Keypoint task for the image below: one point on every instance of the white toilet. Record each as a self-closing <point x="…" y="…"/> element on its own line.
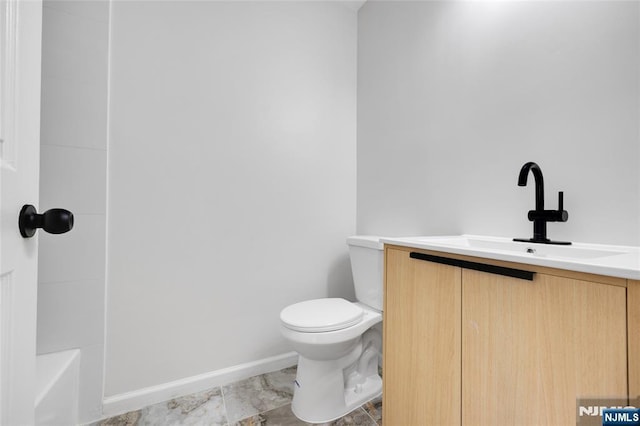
<point x="339" y="342"/>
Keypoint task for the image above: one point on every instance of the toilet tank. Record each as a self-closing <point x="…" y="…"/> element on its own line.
<point x="367" y="263"/>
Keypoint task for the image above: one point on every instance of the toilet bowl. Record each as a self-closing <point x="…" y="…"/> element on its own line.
<point x="339" y="342"/>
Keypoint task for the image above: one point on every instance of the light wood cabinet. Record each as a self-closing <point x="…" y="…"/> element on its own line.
<point x="633" y="333"/>
<point x="422" y="315"/>
<point x="464" y="347"/>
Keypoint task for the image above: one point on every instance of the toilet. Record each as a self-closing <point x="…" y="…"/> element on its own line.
<point x="339" y="342"/>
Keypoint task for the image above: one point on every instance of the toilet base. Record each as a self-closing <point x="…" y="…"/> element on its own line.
<point x="327" y="390"/>
<point x="330" y="401"/>
<point x="341" y="413"/>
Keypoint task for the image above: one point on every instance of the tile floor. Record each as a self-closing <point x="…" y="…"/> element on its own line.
<point x="261" y="400"/>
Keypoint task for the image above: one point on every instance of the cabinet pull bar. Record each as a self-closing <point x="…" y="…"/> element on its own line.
<point x="492" y="269"/>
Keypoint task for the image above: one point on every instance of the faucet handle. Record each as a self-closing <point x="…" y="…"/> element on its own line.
<point x="561" y="200"/>
<point x="563" y="214"/>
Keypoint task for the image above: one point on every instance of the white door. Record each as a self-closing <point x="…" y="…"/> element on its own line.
<point x="20" y="51"/>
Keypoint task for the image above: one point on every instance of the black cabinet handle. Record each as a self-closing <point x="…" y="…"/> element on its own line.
<point x="53" y="221"/>
<point x="483" y="267"/>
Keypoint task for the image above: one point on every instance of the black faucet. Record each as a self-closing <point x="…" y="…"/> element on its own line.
<point x="540" y="216"/>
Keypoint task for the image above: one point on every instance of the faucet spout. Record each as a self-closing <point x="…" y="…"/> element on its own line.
<point x="537" y="175"/>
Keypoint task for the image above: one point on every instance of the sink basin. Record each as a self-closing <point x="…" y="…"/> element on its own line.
<point x="616" y="261"/>
<point x="578" y="251"/>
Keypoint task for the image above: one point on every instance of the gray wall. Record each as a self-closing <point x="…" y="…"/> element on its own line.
<point x="454" y="97"/>
<point x="73" y="175"/>
<point x="232" y="180"/>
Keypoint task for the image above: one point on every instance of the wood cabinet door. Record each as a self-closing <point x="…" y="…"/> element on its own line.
<point x="530" y="348"/>
<point x="633" y="338"/>
<point x="421" y="342"/>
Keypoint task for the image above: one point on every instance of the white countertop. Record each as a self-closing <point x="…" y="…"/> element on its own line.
<point x="615" y="261"/>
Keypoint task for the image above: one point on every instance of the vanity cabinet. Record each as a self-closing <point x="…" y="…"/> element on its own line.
<point x="467" y="347"/>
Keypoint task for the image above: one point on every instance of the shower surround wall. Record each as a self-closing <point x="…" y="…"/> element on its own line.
<point x="454" y="97"/>
<point x="73" y="161"/>
<point x="232" y="181"/>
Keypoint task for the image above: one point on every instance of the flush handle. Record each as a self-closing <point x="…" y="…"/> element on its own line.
<point x="53" y="221"/>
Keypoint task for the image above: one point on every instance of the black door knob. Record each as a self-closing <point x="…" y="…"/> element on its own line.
<point x="53" y="221"/>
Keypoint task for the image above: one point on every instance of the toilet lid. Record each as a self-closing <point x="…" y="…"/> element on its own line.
<point x="320" y="315"/>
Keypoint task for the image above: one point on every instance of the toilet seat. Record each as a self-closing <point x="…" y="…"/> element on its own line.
<point x="321" y="315"/>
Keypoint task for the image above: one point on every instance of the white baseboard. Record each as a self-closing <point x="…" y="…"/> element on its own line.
<point x="58" y="377"/>
<point x="135" y="400"/>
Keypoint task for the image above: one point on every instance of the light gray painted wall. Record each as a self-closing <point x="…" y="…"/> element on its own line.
<point x="454" y="97"/>
<point x="73" y="175"/>
<point x="232" y="181"/>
